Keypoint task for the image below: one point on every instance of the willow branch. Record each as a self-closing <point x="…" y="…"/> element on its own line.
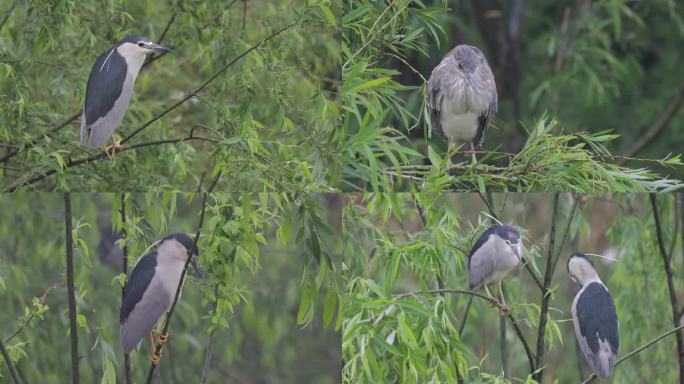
<point x="208" y="354"/>
<point x="509" y="315"/>
<point x="73" y="327"/>
<point x="167" y="320"/>
<point x="638" y="350"/>
<point x="670" y="285"/>
<point x="100" y="156"/>
<point x="124" y="269"/>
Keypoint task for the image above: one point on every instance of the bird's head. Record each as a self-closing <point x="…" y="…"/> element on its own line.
<point x="467" y="58"/>
<point x="580" y="268"/>
<point x="139" y="46"/>
<point x="511" y="237"/>
<point x="179" y="246"/>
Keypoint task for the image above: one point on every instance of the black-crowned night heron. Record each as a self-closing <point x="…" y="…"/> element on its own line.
<point x="497" y="252"/>
<point x="150" y="291"/>
<point x="594" y="317"/>
<point x="462" y="97"/>
<point x="109" y="89"/>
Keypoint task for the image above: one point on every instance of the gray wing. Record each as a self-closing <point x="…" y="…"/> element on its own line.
<point x="486" y="79"/>
<point x="105" y="84"/>
<point x="436" y="84"/>
<point x="480" y="265"/>
<point x="144" y="316"/>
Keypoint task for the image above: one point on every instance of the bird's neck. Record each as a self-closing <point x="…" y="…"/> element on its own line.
<point x="134" y="59"/>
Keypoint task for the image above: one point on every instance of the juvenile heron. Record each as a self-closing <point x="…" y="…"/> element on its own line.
<point x="497" y="252"/>
<point x="594" y="317"/>
<point x="109" y="89"/>
<point x="462" y="97"/>
<point x="150" y="290"/>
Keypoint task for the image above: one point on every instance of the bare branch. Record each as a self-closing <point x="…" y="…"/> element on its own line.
<point x="552" y="259"/>
<point x="73" y="327"/>
<point x="670" y="285"/>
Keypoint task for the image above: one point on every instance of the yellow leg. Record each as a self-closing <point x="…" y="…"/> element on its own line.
<point x="492" y="300"/>
<point x="504" y="309"/>
<point x="155" y="354"/>
<point x="472" y="151"/>
<point x="116" y="146"/>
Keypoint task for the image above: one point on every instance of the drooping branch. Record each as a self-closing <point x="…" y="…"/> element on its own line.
<point x="593" y="376"/>
<point x="509" y="315"/>
<point x="167" y="320"/>
<point x="124" y="270"/>
<point x="73" y="327"/>
<point x="670" y="285"/>
<point x="553" y="255"/>
<point x="210" y="342"/>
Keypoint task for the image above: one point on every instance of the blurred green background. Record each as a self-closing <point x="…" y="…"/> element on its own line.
<point x="267" y="300"/>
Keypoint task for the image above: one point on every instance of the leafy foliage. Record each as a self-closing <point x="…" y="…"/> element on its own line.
<point x="399" y="327"/>
<point x="256" y="278"/>
<point x="588" y="75"/>
<point x="267" y="121"/>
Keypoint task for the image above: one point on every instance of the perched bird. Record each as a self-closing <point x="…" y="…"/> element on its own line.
<point x="150" y="291"/>
<point x="109" y="89"/>
<point x="497" y="252"/>
<point x="594" y="317"/>
<point x="462" y="96"/>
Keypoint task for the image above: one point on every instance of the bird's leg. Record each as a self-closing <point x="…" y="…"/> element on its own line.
<point x="472" y="152"/>
<point x="504" y="309"/>
<point x="155" y="354"/>
<point x="116" y="146"/>
<point x="491" y="298"/>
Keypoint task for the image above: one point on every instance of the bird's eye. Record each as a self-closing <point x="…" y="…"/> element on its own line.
<point x="141" y="45"/>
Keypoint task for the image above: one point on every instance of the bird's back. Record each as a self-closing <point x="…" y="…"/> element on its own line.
<point x="137" y="283"/>
<point x="596" y="327"/>
<point x="105" y="86"/>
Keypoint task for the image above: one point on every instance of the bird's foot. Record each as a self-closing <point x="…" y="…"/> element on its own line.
<point x="160" y="336"/>
<point x="505" y="311"/>
<point x="155" y="357"/>
<point x="114" y="148"/>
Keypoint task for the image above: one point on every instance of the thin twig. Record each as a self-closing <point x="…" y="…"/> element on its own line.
<point x="670" y="285"/>
<point x="8" y="14"/>
<point x="167" y="320"/>
<point x="10" y="364"/>
<point x="101" y="156"/>
<point x="658" y="127"/>
<point x="207" y="355"/>
<point x="73" y="327"/>
<point x="638" y="350"/>
<point x="27" y="320"/>
<point x="124" y="269"/>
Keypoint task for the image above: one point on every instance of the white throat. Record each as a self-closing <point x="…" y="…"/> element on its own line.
<point x="134" y="56"/>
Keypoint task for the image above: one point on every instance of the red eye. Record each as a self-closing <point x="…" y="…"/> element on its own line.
<point x="141" y="45"/>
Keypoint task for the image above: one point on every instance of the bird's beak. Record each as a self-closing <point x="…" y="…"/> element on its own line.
<point x="472" y="81"/>
<point x="158" y="48"/>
